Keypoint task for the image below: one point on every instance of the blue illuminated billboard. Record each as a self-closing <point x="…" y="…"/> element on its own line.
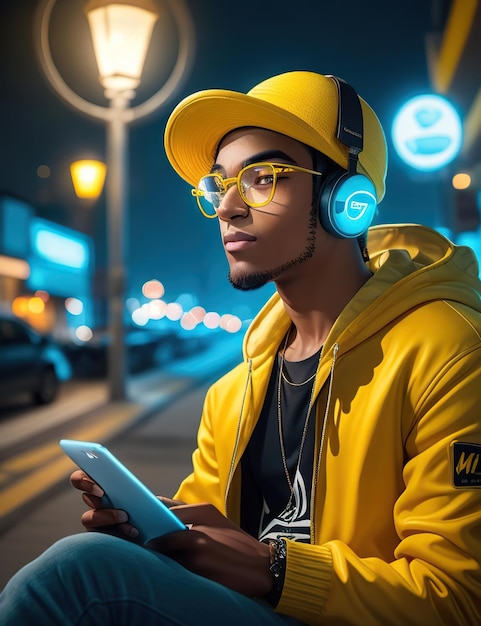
<point x="60" y="259"/>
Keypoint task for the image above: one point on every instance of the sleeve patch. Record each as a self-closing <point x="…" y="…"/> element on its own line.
<point x="466" y="464"/>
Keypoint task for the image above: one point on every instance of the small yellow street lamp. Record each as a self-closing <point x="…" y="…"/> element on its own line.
<point x="88" y="178"/>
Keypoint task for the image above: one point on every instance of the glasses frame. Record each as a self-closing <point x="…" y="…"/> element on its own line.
<point x="277" y="168"/>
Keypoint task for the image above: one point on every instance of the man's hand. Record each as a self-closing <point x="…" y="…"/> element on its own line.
<point x="217" y="549"/>
<point x="214" y="547"/>
<point x="99" y="517"/>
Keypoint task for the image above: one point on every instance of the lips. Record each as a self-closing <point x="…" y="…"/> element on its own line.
<point x="238" y="241"/>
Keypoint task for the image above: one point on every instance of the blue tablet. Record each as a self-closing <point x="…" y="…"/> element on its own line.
<point x="123" y="490"/>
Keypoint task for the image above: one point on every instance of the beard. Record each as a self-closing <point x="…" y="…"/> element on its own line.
<point x="249" y="281"/>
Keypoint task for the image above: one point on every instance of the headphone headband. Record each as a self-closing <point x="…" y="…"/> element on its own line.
<point x="350" y="127"/>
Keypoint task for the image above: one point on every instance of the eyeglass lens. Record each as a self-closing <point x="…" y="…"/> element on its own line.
<point x="255" y="184"/>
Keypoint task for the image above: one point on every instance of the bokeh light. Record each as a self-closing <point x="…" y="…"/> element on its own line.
<point x="230" y="323"/>
<point x="20" y="306"/>
<point x="212" y="320"/>
<point x="36" y="305"/>
<point x="198" y="312"/>
<point x="153" y="289"/>
<point x="174" y="311"/>
<point x="43" y="171"/>
<point x="74" y="306"/>
<point x="188" y="321"/>
<point x="157" y="309"/>
<point x="84" y="333"/>
<point x="140" y="316"/>
<point x="462" y="180"/>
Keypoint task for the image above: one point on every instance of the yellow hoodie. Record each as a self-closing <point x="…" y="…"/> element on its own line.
<point x="396" y="495"/>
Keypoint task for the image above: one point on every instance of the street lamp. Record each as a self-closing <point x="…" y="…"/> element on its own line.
<point x="121" y="35"/>
<point x="121" y="31"/>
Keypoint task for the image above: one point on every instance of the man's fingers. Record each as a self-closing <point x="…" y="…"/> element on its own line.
<point x="113" y="521"/>
<point x="97" y="518"/>
<point x="94" y="502"/>
<point x="169" y="502"/>
<point x="81" y="481"/>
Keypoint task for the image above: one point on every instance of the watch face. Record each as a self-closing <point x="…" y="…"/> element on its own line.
<point x="278" y="555"/>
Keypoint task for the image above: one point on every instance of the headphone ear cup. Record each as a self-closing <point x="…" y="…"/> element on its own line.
<point x="347" y="204"/>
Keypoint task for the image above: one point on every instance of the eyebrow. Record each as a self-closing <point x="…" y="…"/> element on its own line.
<point x="260" y="157"/>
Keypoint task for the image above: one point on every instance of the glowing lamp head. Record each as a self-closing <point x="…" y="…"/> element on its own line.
<point x="88" y="178"/>
<point x="121" y="33"/>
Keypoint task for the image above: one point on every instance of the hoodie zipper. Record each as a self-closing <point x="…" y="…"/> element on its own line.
<point x="335" y="350"/>
<point x="237" y="437"/>
<point x="321" y="444"/>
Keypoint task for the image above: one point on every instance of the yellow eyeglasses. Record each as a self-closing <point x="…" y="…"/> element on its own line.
<point x="256" y="185"/>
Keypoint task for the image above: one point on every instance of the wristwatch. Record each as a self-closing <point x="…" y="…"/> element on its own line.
<point x="277" y="557"/>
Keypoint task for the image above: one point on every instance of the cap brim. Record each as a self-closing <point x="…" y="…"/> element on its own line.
<point x="200" y="121"/>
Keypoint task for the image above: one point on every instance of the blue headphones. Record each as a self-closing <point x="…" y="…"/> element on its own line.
<point x="347" y="200"/>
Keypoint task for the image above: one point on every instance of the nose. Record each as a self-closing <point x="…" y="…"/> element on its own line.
<point x="232" y="205"/>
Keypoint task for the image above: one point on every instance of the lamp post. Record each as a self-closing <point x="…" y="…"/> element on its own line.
<point x="121" y="35"/>
<point x="121" y="31"/>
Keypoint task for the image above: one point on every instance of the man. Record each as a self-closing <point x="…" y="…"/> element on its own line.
<point x="340" y="459"/>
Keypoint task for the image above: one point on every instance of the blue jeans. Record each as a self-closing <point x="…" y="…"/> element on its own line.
<point x="97" y="579"/>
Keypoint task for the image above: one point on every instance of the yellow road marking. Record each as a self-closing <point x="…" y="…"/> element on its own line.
<point x="23" y="490"/>
<point x="24" y="462"/>
<point x="49" y="464"/>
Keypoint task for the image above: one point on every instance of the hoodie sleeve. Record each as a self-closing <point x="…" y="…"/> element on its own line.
<point x="433" y="573"/>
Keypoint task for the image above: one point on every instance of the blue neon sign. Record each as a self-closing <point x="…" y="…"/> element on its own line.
<point x="427" y="132"/>
<point x="59" y="246"/>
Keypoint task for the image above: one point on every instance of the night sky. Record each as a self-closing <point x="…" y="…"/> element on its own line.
<point x="377" y="46"/>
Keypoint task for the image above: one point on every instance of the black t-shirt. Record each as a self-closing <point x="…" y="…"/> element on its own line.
<point x="265" y="489"/>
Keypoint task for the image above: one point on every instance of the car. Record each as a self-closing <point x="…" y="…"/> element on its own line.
<point x="31" y="363"/>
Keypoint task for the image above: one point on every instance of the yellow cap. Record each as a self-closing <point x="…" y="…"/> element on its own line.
<point x="302" y="105"/>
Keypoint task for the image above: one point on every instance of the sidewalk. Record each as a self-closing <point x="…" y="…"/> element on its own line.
<point x="156" y="439"/>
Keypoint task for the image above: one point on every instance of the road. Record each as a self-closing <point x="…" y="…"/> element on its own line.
<point x="20" y="422"/>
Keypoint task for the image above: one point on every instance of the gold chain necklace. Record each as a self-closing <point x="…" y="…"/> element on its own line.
<point x="290" y="509"/>
<point x="293" y="384"/>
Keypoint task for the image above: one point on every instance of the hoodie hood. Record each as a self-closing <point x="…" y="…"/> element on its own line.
<point x="411" y="264"/>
